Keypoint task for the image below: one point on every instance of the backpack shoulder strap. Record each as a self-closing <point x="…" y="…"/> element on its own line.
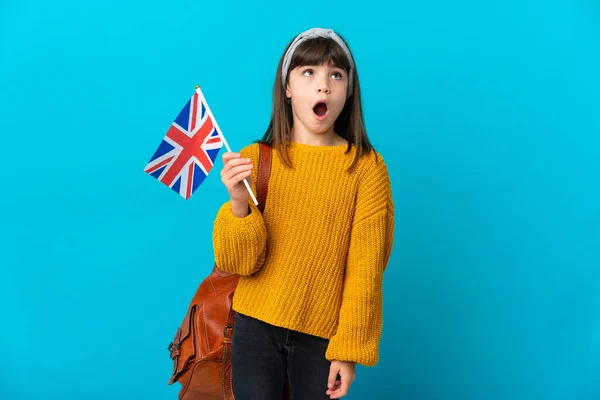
<point x="264" y="173"/>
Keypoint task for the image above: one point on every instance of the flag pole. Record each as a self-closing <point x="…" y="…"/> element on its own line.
<point x="223" y="137"/>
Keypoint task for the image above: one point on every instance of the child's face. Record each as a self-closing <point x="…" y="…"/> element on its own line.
<point x="318" y="94"/>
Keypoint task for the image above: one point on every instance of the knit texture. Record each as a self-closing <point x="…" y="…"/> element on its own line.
<point x="314" y="261"/>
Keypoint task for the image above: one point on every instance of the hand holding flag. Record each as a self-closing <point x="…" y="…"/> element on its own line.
<point x="189" y="149"/>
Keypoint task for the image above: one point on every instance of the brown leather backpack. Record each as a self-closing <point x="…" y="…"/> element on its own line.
<point x="201" y="349"/>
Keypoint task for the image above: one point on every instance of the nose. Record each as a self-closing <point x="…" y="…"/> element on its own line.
<point x="323" y="85"/>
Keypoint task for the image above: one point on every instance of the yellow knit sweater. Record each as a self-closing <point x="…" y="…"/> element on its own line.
<point x="314" y="262"/>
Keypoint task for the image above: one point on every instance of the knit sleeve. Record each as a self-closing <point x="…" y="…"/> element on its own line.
<point x="240" y="244"/>
<point x="360" y="319"/>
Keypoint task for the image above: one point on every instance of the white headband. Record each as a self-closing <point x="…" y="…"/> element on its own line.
<point x="311" y="34"/>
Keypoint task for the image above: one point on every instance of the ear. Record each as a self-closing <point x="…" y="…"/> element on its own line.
<point x="288" y="92"/>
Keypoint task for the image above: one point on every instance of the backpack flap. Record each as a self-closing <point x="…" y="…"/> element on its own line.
<point x="183" y="343"/>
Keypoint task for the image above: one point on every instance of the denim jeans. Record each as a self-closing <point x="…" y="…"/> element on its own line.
<point x="262" y="354"/>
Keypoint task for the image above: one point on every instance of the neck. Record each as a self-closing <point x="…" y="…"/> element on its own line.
<point x="327" y="138"/>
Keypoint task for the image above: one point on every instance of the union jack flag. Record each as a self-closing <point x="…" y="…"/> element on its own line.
<point x="188" y="151"/>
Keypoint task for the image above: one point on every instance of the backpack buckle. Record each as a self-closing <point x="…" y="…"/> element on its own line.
<point x="173" y="348"/>
<point x="228" y="328"/>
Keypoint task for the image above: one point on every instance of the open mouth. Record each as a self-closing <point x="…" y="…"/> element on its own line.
<point x="320" y="109"/>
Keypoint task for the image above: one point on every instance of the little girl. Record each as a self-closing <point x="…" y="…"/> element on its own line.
<point x="309" y="299"/>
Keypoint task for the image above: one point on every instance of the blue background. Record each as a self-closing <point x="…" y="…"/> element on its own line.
<point x="487" y="113"/>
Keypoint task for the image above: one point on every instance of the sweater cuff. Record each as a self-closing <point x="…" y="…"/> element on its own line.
<point x="351" y="348"/>
<point x="239" y="243"/>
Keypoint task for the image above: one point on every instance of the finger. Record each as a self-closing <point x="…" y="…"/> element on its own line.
<point x="341" y="389"/>
<point x="236" y="161"/>
<point x="235" y="181"/>
<point x="334" y="390"/>
<point x="335" y="395"/>
<point x="229" y="155"/>
<point x="345" y="385"/>
<point x="240" y="169"/>
<point x="336" y="385"/>
<point x="237" y="169"/>
<point x="333" y="374"/>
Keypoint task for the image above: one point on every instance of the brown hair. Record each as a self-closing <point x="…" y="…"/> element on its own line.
<point x="350" y="123"/>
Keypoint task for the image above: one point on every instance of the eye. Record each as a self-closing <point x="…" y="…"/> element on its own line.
<point x="308" y="72"/>
<point x="337" y="75"/>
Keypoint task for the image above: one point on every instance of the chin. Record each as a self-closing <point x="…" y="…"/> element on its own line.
<point x="321" y="130"/>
